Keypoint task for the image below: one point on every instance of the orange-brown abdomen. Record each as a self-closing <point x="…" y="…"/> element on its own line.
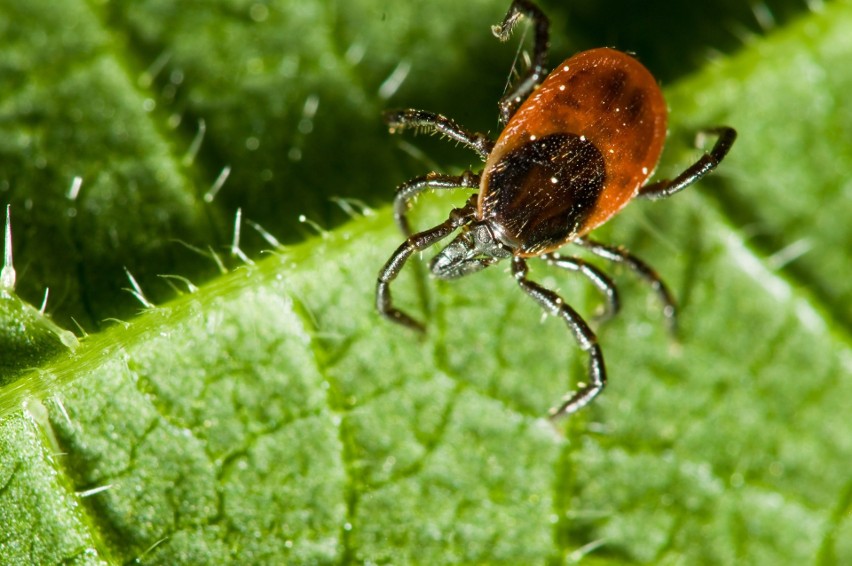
<point x="576" y="151"/>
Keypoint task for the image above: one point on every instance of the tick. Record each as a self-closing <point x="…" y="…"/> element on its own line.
<point x="577" y="144"/>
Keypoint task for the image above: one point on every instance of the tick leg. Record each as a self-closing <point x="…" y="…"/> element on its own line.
<point x="410" y="189"/>
<point x="598" y="278"/>
<point x="537" y="71"/>
<point x="642" y="269"/>
<point x="704" y="165"/>
<point x="398" y="120"/>
<point x="586" y="339"/>
<point x="415" y="243"/>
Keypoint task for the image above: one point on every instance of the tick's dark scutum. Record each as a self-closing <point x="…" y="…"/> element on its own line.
<point x="541" y="193"/>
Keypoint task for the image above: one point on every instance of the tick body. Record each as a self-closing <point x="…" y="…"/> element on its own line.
<point x="576" y="147"/>
<point x="574" y="153"/>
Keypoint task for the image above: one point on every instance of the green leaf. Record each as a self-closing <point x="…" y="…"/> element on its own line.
<point x="271" y="416"/>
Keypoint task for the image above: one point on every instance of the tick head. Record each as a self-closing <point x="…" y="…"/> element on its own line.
<point x="473" y="250"/>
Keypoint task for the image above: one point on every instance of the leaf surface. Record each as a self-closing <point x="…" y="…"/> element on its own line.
<point x="271" y="417"/>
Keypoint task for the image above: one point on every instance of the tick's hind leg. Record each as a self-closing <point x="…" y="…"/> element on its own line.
<point x="417" y="242"/>
<point x="598" y="278"/>
<point x="410" y="189"/>
<point x="704" y="165"/>
<point x="537" y="71"/>
<point x="640" y="268"/>
<point x="586" y="339"/>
